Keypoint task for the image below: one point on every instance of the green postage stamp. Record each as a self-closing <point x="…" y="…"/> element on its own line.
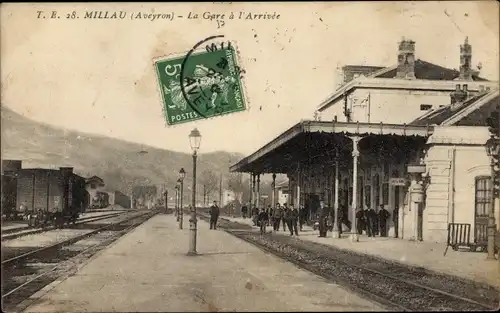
<point x="211" y="85"/>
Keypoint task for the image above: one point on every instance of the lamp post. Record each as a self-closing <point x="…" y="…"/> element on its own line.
<point x="166" y="201"/>
<point x="182" y="174"/>
<point x="194" y="141"/>
<point x="493" y="151"/>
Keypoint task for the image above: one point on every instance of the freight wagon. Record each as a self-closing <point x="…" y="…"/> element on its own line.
<point x="9" y="192"/>
<point x="46" y="196"/>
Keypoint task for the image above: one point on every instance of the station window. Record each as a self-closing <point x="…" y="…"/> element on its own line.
<point x="425" y="107"/>
<point x="483" y="190"/>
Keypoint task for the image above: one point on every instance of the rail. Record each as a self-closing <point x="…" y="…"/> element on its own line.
<point x="19" y="232"/>
<point x="22" y="257"/>
<point x="67" y="242"/>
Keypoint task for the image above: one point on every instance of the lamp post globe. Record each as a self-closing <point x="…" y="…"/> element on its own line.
<point x="194" y="141"/>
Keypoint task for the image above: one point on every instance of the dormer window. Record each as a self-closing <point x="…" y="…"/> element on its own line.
<point x="93" y="186"/>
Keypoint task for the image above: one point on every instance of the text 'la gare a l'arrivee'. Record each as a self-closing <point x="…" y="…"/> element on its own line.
<point x="241" y="15"/>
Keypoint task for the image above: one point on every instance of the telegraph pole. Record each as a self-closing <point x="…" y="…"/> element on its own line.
<point x="220" y="190"/>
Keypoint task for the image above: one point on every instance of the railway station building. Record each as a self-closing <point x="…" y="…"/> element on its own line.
<point x="409" y="137"/>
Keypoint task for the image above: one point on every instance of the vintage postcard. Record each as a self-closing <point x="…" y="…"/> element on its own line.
<point x="250" y="156"/>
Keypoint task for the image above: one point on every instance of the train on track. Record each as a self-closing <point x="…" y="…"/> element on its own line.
<point x="44" y="197"/>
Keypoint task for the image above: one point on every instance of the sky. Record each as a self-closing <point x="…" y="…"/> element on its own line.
<point x="97" y="76"/>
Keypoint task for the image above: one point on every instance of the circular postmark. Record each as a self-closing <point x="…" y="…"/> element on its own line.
<point x="210" y="79"/>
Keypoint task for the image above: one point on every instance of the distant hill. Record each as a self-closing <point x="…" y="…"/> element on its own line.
<point x="117" y="161"/>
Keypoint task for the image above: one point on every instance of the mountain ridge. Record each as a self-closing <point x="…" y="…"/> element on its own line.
<point x="119" y="162"/>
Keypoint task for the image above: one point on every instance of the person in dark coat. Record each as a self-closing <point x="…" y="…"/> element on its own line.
<point x="344" y="217"/>
<point x="340" y="219"/>
<point x="323" y="216"/>
<point x="214" y="215"/>
<point x="383" y="216"/>
<point x="244" y="211"/>
<point x="284" y="213"/>
<point x="263" y="218"/>
<point x="276" y="217"/>
<point x="376" y="223"/>
<point x="302" y="217"/>
<point x="255" y="213"/>
<point x="293" y="220"/>
<point x="360" y="221"/>
<point x="269" y="212"/>
<point x="371" y="218"/>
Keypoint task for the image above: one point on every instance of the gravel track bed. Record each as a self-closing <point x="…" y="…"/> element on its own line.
<point x="458" y="286"/>
<point x="394" y="293"/>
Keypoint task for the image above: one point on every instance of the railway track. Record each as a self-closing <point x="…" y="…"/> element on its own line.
<point x="396" y="286"/>
<point x="25" y="274"/>
<point x="27" y="230"/>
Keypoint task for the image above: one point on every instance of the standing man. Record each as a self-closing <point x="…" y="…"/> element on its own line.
<point x="323" y="216"/>
<point x="262" y="220"/>
<point x="284" y="213"/>
<point x="360" y="221"/>
<point x="214" y="215"/>
<point x="294" y="216"/>
<point x="340" y="219"/>
<point x="383" y="215"/>
<point x="395" y="219"/>
<point x="371" y="221"/>
<point x="244" y="211"/>
<point x="302" y="216"/>
<point x="269" y="212"/>
<point x="255" y="213"/>
<point x="276" y="217"/>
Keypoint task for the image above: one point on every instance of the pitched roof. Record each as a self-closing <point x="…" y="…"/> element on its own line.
<point x="95" y="179"/>
<point x="472" y="112"/>
<point x="426" y="73"/>
<point x="427" y="70"/>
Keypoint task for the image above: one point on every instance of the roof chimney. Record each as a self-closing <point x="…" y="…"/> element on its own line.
<point x="465" y="60"/>
<point x="458" y="96"/>
<point x="406" y="59"/>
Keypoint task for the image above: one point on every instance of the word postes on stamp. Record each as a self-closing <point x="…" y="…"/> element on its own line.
<point x="211" y="85"/>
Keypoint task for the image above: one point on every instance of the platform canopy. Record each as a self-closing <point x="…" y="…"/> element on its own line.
<point x="309" y="140"/>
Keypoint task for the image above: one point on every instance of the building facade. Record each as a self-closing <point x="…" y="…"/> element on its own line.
<point x="228" y="197"/>
<point x="282" y="192"/>
<point x="409" y="137"/>
<point x="95" y="187"/>
<point x="119" y="198"/>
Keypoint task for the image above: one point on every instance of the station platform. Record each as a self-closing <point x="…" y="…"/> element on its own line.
<point x="148" y="270"/>
<point x="429" y="255"/>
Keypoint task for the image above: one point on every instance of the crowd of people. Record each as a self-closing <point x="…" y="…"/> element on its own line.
<point x="281" y="216"/>
<point x="289" y="218"/>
